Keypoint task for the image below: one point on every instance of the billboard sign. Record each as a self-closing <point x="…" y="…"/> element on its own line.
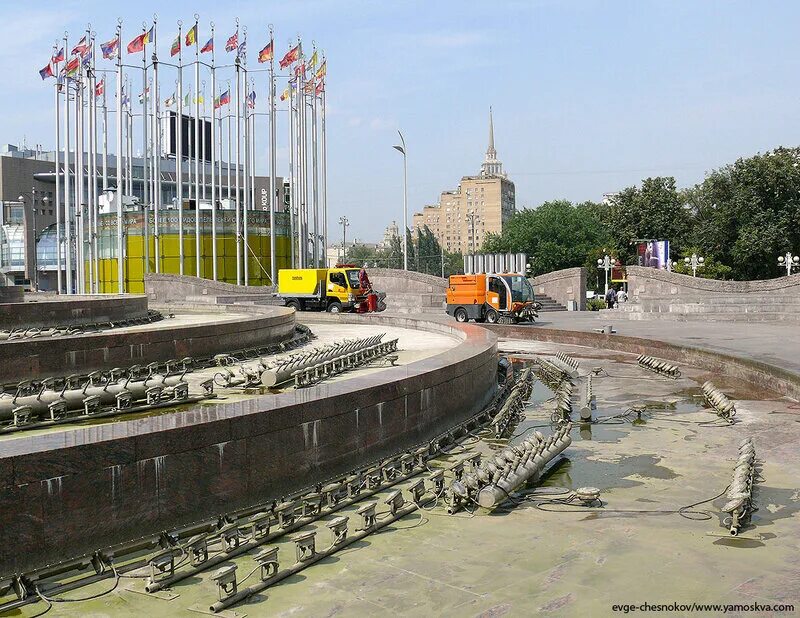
<point x="653" y="254"/>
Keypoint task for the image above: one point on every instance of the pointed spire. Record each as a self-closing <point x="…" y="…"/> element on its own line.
<point x="491" y="166"/>
<point x="490" y="151"/>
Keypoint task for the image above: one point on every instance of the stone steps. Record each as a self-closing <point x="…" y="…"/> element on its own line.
<point x="548" y="304"/>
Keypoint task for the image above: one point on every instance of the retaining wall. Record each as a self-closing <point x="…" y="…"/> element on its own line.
<point x="165" y="289"/>
<point x="408" y="291"/>
<point x="563" y="286"/>
<point x="72" y="310"/>
<point x="661" y="294"/>
<point x="752" y="371"/>
<point x="25" y="359"/>
<point x="75" y="490"/>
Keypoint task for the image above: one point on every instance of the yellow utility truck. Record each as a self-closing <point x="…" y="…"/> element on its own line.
<point x="321" y="289"/>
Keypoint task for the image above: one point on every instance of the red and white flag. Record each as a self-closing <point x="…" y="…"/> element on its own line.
<point x="232" y="43"/>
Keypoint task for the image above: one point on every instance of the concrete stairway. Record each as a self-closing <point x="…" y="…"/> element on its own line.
<point x="548" y="304"/>
<point x="236" y="299"/>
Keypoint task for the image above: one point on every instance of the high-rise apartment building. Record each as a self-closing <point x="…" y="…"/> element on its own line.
<point x="479" y="205"/>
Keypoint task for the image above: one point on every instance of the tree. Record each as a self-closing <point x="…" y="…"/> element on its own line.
<point x="555" y="235"/>
<point x="748" y="213"/>
<point x="655" y="211"/>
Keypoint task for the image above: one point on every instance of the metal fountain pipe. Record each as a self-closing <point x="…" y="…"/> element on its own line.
<point x="74" y="397"/>
<point x="493" y="494"/>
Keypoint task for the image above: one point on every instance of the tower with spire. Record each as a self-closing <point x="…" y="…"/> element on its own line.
<point x="491" y="166"/>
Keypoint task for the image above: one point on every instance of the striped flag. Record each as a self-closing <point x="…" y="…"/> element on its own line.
<point x="240" y="53"/>
<point x="72" y="67"/>
<point x="191" y="36"/>
<point x="176" y="46"/>
<point x="322" y="70"/>
<point x="81" y="48"/>
<point x="170" y="101"/>
<point x="58" y="56"/>
<point x="320" y="88"/>
<point x="251" y="100"/>
<point x="110" y="49"/>
<point x="291" y="56"/>
<point x="312" y="62"/>
<point x="233" y="42"/>
<point x="47" y="71"/>
<point x="223" y="99"/>
<point x="266" y="54"/>
<point x="208" y="47"/>
<point x="285" y="94"/>
<point x="100" y="88"/>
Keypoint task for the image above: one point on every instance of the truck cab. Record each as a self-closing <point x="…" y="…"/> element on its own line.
<point x="321" y="289"/>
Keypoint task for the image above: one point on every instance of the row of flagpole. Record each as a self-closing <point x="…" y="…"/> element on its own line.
<point x="78" y="214"/>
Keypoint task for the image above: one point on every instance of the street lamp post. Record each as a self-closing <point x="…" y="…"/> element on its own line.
<point x="695" y="262"/>
<point x="471" y="216"/>
<point x="605" y="263"/>
<point x="35" y="269"/>
<point x="791" y="262"/>
<point x="402" y="149"/>
<point x="344" y="223"/>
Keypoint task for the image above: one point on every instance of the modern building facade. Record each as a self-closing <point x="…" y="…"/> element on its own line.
<point x="28" y="237"/>
<point x="479" y="205"/>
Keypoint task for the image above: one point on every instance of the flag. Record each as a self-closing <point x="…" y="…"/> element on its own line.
<point x="242" y="50"/>
<point x="170" y="101"/>
<point x="141" y="94"/>
<point x="322" y="70"/>
<point x="308" y="88"/>
<point x="199" y="99"/>
<point x="266" y="53"/>
<point x="208" y="47"/>
<point x="191" y="36"/>
<point x="137" y="44"/>
<point x="312" y="62"/>
<point x="110" y="49"/>
<point x="58" y="56"/>
<point x="100" y="88"/>
<point x="81" y="47"/>
<point x="223" y="99"/>
<point x="187" y="100"/>
<point x="291" y="56"/>
<point x="47" y="71"/>
<point x="251" y="100"/>
<point x="176" y="46"/>
<point x="87" y="59"/>
<point x="233" y="42"/>
<point x="320" y="88"/>
<point x="285" y="94"/>
<point x="300" y="68"/>
<point x="150" y="37"/>
<point x="73" y="66"/>
<point x="126" y="100"/>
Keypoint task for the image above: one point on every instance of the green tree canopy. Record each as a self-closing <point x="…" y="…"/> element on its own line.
<point x="656" y="210"/>
<point x="748" y="213"/>
<point x="555" y="235"/>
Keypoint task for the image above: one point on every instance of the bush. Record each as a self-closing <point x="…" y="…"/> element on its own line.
<point x="595" y="304"/>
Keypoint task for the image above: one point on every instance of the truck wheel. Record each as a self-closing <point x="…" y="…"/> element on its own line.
<point x="335" y="307"/>
<point x="294" y="304"/>
<point x="492" y="316"/>
<point x="460" y="315"/>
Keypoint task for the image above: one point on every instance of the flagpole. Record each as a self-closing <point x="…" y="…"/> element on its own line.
<point x="303" y="155"/>
<point x="118" y="119"/>
<point x="196" y="149"/>
<point x="79" y="263"/>
<point x="58" y="172"/>
<point x="92" y="192"/>
<point x="324" y="173"/>
<point x="105" y="138"/>
<point x="179" y="149"/>
<point x="238" y="161"/>
<point x="230" y="145"/>
<point x="213" y="162"/>
<point x="245" y="170"/>
<point x="314" y="167"/>
<point x="157" y="150"/>
<point x="273" y="190"/>
<point x="145" y="160"/>
<point x="251" y="155"/>
<point x="292" y="183"/>
<point x="68" y="205"/>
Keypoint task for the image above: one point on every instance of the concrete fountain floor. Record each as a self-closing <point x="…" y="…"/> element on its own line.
<point x="522" y="560"/>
